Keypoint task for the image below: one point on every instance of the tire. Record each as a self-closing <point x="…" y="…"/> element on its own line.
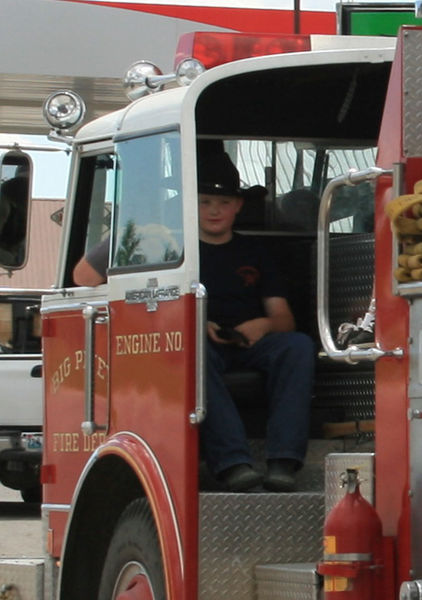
<point x="134" y="550"/>
<point x="33" y="494"/>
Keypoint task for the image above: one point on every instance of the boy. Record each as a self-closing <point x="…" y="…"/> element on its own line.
<point x="247" y="304"/>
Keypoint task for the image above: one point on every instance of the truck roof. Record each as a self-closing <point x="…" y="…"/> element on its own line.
<point x="351" y="42"/>
<point x="164" y="109"/>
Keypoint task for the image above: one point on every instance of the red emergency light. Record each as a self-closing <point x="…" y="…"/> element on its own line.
<point x="217" y="48"/>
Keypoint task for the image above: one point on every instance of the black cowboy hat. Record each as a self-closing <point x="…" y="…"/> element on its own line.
<point x="218" y="175"/>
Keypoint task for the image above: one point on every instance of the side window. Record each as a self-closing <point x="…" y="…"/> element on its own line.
<point x="353" y="206"/>
<point x="149" y="230"/>
<point x="295" y="173"/>
<point x="102" y="191"/>
<point x="303" y="171"/>
<point x="92" y="216"/>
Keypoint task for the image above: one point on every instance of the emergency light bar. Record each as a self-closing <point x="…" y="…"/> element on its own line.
<point x="217" y="48"/>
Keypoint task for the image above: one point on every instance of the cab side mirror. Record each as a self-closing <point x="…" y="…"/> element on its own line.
<point x="15" y="208"/>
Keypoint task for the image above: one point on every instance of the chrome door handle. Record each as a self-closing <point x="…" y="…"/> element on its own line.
<point x="92" y="315"/>
<point x="201" y="349"/>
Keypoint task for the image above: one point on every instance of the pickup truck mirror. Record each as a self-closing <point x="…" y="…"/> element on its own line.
<point x="15" y="208"/>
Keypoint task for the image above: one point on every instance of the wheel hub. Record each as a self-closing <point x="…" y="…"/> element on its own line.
<point x="133" y="584"/>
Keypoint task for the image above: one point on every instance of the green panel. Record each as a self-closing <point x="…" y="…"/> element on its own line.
<point x="380" y="23"/>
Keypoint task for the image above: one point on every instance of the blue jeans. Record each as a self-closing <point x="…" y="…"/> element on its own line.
<point x="287" y="359"/>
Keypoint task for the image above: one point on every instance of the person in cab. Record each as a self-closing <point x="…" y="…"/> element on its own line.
<point x="250" y="326"/>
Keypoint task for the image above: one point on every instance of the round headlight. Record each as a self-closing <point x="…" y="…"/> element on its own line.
<point x="135" y="80"/>
<point x="188" y="70"/>
<point x="64" y="109"/>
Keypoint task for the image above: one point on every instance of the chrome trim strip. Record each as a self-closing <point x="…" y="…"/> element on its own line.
<point x="26" y="357"/>
<point x="409" y="289"/>
<point x="79" y="305"/>
<point x="398" y="181"/>
<point x="124" y="137"/>
<point x="34" y="148"/>
<point x="92" y="316"/>
<point x="47" y="508"/>
<point x="30" y="292"/>
<point x="201" y="348"/>
<point x="349" y="557"/>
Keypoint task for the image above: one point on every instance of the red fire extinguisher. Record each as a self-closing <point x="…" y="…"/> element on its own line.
<point x="353" y="547"/>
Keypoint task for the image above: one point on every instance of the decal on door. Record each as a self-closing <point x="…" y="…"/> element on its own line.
<point x="76" y="362"/>
<point x="77" y="442"/>
<point x="149" y="343"/>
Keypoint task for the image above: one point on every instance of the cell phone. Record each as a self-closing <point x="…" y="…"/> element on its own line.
<point x="232" y="335"/>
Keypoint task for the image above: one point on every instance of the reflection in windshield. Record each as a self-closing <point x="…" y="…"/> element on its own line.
<point x="152" y="243"/>
<point x="149" y="202"/>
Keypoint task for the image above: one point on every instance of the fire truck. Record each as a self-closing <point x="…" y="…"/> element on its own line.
<point x="330" y="125"/>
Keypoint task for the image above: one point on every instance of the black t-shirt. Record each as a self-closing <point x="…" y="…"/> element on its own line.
<point x="237" y="276"/>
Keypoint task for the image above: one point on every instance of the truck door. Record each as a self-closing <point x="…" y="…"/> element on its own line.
<point x="152" y="327"/>
<point x="153" y="341"/>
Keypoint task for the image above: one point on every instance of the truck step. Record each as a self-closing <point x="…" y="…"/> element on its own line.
<point x="313" y="475"/>
<point x="21" y="579"/>
<point x="292" y="581"/>
<point x="239" y="531"/>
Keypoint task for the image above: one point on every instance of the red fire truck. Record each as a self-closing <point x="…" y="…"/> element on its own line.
<point x="331" y="128"/>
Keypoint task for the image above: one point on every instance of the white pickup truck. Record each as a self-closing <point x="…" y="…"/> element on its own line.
<point x="20" y="395"/>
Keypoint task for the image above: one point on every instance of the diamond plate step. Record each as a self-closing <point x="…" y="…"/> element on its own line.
<point x="239" y="531"/>
<point x="294" y="581"/>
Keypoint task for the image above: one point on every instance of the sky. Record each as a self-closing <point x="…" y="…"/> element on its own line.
<point x="50" y="169"/>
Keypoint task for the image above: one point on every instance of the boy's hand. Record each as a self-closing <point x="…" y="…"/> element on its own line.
<point x="212" y="329"/>
<point x="226" y="335"/>
<point x="254" y="329"/>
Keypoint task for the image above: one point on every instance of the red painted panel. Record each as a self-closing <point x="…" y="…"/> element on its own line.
<point x="152" y="379"/>
<point x="153" y="386"/>
<point x="239" y="19"/>
<point x="392" y="327"/>
<point x="318" y="22"/>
